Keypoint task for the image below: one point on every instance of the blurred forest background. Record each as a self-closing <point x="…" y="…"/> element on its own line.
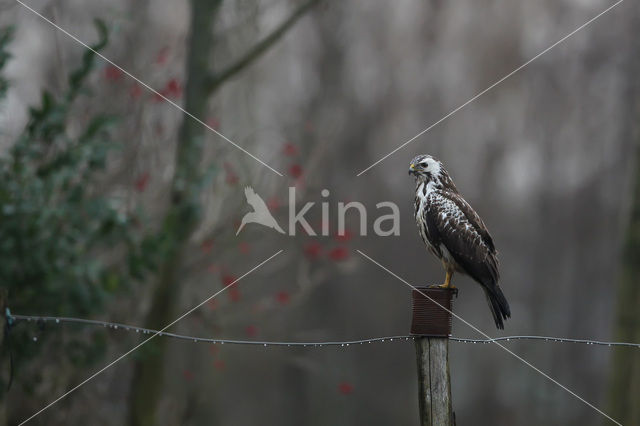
<point x="116" y="206"/>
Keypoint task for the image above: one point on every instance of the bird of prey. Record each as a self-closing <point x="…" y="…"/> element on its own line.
<point x="260" y="213"/>
<point x="455" y="234"/>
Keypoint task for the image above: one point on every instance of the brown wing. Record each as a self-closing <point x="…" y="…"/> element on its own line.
<point x="473" y="218"/>
<point x="454" y="224"/>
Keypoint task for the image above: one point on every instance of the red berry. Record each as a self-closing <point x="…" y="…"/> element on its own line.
<point x="339" y="253"/>
<point x="345" y="388"/>
<point x="283" y="297"/>
<point x="295" y="170"/>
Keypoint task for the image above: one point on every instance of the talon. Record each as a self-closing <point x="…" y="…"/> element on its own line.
<point x="447" y="282"/>
<point x="445" y="285"/>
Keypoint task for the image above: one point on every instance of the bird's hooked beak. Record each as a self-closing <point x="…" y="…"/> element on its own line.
<point x="412" y="168"/>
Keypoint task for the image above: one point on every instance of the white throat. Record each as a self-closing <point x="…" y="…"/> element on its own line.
<point x="424" y="188"/>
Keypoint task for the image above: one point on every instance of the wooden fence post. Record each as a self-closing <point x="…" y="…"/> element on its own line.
<point x="432" y="326"/>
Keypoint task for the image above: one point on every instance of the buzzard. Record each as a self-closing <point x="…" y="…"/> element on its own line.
<point x="455" y="234"/>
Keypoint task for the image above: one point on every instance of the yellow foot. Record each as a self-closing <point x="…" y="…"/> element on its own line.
<point x="445" y="285"/>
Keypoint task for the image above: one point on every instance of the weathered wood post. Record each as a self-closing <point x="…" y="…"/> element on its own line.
<point x="432" y="326"/>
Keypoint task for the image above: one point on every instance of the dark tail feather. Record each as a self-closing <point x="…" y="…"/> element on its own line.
<point x="497" y="303"/>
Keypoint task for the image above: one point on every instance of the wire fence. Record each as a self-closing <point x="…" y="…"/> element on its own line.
<point x="38" y="319"/>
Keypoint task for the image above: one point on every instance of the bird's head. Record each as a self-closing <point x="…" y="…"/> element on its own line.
<point x="427" y="169"/>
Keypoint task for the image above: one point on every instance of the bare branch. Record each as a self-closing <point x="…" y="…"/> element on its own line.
<point x="218" y="78"/>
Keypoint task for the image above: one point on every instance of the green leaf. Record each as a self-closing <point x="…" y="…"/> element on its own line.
<point x="77" y="77"/>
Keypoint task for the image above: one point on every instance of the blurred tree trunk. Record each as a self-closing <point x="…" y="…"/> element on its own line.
<point x="624" y="390"/>
<point x="184" y="212"/>
<point x="4" y="358"/>
<point x="182" y="216"/>
<point x="625" y="381"/>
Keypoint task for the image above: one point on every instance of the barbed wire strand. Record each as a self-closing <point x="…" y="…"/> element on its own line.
<point x="398" y="338"/>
